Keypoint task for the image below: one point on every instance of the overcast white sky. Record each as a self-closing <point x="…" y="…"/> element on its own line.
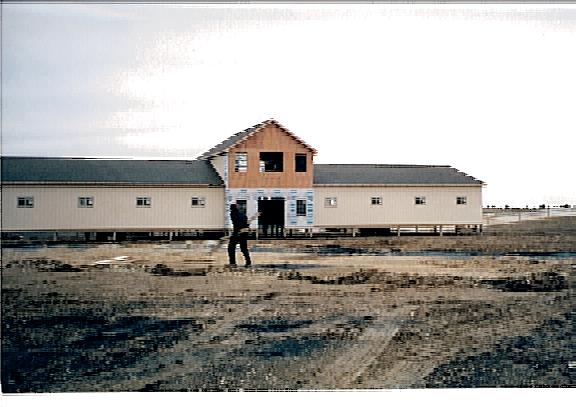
<point x="488" y="89"/>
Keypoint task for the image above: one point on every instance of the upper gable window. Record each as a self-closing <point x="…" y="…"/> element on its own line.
<point x="271" y="162"/>
<point x="420" y="200"/>
<point x="461" y="200"/>
<point x="240" y="162"/>
<point x="300" y="162"/>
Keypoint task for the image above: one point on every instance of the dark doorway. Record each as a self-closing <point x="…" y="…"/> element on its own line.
<point x="271" y="219"/>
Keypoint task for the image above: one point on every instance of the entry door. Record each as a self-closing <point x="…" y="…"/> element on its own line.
<point x="271" y="212"/>
<point x="277" y="211"/>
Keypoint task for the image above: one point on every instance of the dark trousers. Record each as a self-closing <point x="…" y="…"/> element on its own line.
<point x="241" y="239"/>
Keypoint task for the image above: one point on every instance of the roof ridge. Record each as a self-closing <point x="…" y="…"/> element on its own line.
<point x="236" y="138"/>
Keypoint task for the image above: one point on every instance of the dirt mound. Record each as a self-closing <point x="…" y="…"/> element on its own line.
<point x="535" y="282"/>
<point x="163" y="270"/>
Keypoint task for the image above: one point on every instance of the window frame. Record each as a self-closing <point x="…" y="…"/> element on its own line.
<point x="376" y="201"/>
<point x="200" y="202"/>
<point x="237" y="161"/>
<point x="331" y="202"/>
<point x="88" y="202"/>
<point x="462" y="200"/>
<point x="298" y="159"/>
<point x="419" y="200"/>
<point x="25" y="202"/>
<point x="262" y="166"/>
<point x="299" y="204"/>
<point x="146" y="202"/>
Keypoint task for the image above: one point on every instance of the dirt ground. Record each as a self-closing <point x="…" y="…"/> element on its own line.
<point x="495" y="310"/>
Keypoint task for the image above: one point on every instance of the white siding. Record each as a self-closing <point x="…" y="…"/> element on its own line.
<point x="354" y="206"/>
<point x="219" y="163"/>
<point x="56" y="208"/>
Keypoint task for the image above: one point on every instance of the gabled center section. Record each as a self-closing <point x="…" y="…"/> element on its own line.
<point x="270" y="157"/>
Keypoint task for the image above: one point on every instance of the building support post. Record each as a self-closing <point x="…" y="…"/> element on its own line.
<point x="353" y="232"/>
<point x="114" y="236"/>
<point x="416" y="228"/>
<point x="398" y="231"/>
<point x="441" y="231"/>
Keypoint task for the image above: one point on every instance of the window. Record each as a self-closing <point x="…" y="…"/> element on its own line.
<point x="376" y="200"/>
<point x="461" y="200"/>
<point x="241" y="204"/>
<point x="143" y="202"/>
<point x="198" y="202"/>
<point x="240" y="162"/>
<point x="25" y="202"/>
<point x="300" y="162"/>
<point x="86" y="202"/>
<point x="330" y="202"/>
<point x="271" y="162"/>
<point x="420" y="200"/>
<point x="300" y="207"/>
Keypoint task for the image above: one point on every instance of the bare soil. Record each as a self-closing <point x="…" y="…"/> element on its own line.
<point x="490" y="310"/>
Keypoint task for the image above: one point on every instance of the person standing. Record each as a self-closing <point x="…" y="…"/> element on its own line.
<point x="239" y="236"/>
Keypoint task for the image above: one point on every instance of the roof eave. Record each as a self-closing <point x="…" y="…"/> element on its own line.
<point x="115" y="184"/>
<point x="396" y="185"/>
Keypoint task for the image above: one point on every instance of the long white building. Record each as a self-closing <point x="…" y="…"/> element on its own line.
<point x="265" y="169"/>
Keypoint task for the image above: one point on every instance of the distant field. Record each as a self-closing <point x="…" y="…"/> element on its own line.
<point x="501" y="216"/>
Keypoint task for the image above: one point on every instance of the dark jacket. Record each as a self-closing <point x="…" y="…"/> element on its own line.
<point x="239" y="221"/>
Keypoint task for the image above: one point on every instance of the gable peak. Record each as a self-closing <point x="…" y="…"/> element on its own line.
<point x="241" y="136"/>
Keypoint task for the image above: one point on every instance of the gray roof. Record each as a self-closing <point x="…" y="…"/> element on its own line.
<point x="86" y="170"/>
<point x="201" y="172"/>
<point x="229" y="142"/>
<point x="378" y="174"/>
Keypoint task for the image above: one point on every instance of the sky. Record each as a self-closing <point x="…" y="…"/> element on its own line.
<point x="488" y="89"/>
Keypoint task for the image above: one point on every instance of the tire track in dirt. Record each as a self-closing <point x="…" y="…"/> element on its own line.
<point x="466" y="339"/>
<point x="350" y="365"/>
